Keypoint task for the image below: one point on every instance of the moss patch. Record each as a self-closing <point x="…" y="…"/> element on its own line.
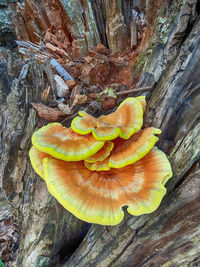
<point x="142" y="60"/>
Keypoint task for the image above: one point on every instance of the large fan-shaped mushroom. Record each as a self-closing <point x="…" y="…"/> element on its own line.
<point x="98" y="197"/>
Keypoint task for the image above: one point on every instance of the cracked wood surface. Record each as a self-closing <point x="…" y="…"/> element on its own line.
<point x="171" y="235"/>
<point x="37" y="224"/>
<point x="41" y="232"/>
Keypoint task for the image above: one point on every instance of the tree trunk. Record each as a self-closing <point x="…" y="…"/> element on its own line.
<point x="35" y="230"/>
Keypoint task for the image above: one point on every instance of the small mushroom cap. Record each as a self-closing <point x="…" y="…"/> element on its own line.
<point x="124" y="122"/>
<point x="126" y="152"/>
<point x="102" y="154"/>
<point x="98" y="165"/>
<point x="62" y="143"/>
<point x="98" y="197"/>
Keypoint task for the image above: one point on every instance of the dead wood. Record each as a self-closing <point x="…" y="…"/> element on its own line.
<point x="34" y="229"/>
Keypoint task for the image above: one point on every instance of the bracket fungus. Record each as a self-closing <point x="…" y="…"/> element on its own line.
<point x="102" y="154"/>
<point x="93" y="177"/>
<point x="36" y="158"/>
<point x="124" y="122"/>
<point x="62" y="143"/>
<point x="127" y="151"/>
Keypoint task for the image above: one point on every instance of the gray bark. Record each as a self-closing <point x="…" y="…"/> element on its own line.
<point x="34" y="227"/>
<point x="171" y="235"/>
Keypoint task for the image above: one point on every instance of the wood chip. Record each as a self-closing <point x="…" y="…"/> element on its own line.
<point x="56" y="49"/>
<point x="49" y="114"/>
<point x="45" y="94"/>
<point x="64" y="108"/>
<point x="133" y="33"/>
<point x="75" y="91"/>
<point x="70" y="83"/>
<point x="61" y="86"/>
<point x="79" y="100"/>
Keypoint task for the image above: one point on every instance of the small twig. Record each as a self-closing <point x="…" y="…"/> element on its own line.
<point x="33" y="48"/>
<point x="60" y="69"/>
<point x="46" y="54"/>
<point x="24" y="72"/>
<point x="38" y="35"/>
<point x="133" y="33"/>
<point x="134" y="90"/>
<point x="50" y="78"/>
<point x="26" y="88"/>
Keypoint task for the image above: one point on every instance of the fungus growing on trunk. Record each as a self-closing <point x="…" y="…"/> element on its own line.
<point x="62" y="143"/>
<point x="126" y="152"/>
<point x="102" y="154"/>
<point x="98" y="197"/>
<point x="94" y="178"/>
<point x="124" y="122"/>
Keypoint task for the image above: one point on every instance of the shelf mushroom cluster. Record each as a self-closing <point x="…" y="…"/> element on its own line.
<point x="100" y="165"/>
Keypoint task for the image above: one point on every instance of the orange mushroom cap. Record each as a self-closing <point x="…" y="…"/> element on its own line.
<point x="98" y="165"/>
<point x="126" y="152"/>
<point x="98" y="197"/>
<point x="102" y="154"/>
<point x="124" y="122"/>
<point x="63" y="143"/>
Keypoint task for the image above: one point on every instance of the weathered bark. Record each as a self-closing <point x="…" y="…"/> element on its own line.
<point x="171" y="235"/>
<point x="41" y="232"/>
<point x="7" y="35"/>
<point x="40" y="226"/>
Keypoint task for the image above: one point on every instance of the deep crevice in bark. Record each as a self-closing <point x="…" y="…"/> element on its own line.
<point x="100" y="18"/>
<point x="193" y="168"/>
<point x="127" y="245"/>
<point x="66" y="251"/>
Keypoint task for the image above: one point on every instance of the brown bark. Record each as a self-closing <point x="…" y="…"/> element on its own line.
<point x="34" y="229"/>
